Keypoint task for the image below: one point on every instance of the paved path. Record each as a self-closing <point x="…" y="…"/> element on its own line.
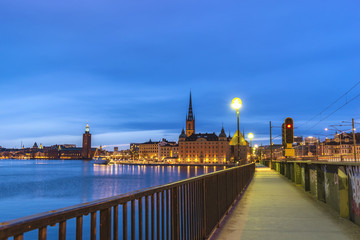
<point x="274" y="208"/>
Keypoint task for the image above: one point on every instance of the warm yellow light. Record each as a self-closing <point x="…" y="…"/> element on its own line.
<point x="256" y="146"/>
<point x="250" y="136"/>
<point x="326" y="129"/>
<point x="236" y="103"/>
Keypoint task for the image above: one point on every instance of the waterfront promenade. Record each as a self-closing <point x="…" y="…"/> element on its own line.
<point x="274" y="208"/>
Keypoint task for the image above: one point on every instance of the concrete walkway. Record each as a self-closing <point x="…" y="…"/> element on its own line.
<point x="274" y="208"/>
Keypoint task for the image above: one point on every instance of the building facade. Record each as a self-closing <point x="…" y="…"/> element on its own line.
<point x="149" y="150"/>
<point x="204" y="148"/>
<point x="169" y="152"/>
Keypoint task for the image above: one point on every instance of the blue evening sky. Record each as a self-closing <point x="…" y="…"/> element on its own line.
<point x="126" y="67"/>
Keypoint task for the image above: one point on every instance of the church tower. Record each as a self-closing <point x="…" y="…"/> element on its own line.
<point x="190" y="120"/>
<point x="86" y="147"/>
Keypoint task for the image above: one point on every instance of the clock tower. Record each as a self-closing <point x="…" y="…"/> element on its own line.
<point x="86" y="147"/>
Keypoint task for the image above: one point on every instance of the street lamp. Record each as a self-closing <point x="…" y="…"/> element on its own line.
<point x="250" y="136"/>
<point x="236" y="104"/>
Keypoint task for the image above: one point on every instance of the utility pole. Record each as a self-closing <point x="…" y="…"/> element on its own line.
<point x="271" y="152"/>
<point x="354" y="139"/>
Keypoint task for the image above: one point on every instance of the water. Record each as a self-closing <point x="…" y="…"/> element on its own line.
<point x="32" y="186"/>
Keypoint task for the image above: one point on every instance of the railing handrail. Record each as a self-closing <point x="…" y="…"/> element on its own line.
<point x="17" y="226"/>
<point x="321" y="161"/>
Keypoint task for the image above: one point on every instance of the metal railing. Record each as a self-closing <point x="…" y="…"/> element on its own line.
<point x="187" y="209"/>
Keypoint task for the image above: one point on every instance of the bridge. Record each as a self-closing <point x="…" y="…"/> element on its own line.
<point x="293" y="200"/>
<point x="273" y="207"/>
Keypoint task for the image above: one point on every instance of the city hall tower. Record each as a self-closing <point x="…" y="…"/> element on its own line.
<point x="86" y="147"/>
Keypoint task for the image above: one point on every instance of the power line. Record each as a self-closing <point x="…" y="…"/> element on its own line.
<point x="329" y="106"/>
<point x="335" y="111"/>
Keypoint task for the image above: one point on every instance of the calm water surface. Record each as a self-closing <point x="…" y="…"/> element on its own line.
<point x="33" y="186"/>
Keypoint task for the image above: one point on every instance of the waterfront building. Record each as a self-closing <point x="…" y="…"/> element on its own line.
<point x="134" y="147"/>
<point x="35" y="146"/>
<point x="168" y="151"/>
<point x="86" y="147"/>
<point x="71" y="153"/>
<point x="152" y="150"/>
<point x="149" y="150"/>
<point x="209" y="147"/>
<point x="204" y="148"/>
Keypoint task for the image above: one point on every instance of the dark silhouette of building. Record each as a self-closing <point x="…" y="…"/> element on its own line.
<point x="190" y="120"/>
<point x="86" y="146"/>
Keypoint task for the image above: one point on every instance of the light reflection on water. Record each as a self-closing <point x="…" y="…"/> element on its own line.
<point x="33" y="186"/>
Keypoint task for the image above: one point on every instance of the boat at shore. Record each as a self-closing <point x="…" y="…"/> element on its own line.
<point x="103" y="161"/>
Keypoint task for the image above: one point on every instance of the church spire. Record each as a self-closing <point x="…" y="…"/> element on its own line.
<point x="190" y="115"/>
<point x="190" y="120"/>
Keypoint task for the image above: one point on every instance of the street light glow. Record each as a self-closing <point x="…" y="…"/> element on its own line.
<point x="236" y="103"/>
<point x="250" y="136"/>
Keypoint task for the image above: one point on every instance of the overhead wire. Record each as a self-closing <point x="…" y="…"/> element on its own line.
<point x="330" y="105"/>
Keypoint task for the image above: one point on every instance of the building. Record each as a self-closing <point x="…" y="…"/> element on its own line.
<point x="168" y="152"/>
<point x="311" y="140"/>
<point x="86" y="147"/>
<point x="239" y="148"/>
<point x="149" y="150"/>
<point x="341" y="144"/>
<point x="157" y="151"/>
<point x="298" y="140"/>
<point x="134" y="147"/>
<point x="276" y="149"/>
<point x="204" y="148"/>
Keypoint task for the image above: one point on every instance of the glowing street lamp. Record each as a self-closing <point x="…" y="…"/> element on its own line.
<point x="250" y="136"/>
<point x="236" y="104"/>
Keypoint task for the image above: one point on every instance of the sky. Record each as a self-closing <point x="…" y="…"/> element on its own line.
<point x="127" y="68"/>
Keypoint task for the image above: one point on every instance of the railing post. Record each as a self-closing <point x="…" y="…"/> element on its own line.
<point x="203" y="231"/>
<point x="105" y="224"/>
<point x="175" y="214"/>
<point x="116" y="222"/>
<point x="62" y="230"/>
<point x="125" y="223"/>
<point x="218" y="201"/>
<point x="42" y="233"/>
<point x="79" y="227"/>
<point x="92" y="227"/>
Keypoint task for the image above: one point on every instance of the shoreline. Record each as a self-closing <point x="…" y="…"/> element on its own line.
<point x="137" y="163"/>
<point x="180" y="164"/>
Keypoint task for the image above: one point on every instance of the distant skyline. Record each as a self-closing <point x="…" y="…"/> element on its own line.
<point x="127" y="68"/>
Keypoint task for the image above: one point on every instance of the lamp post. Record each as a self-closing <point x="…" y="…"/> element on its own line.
<point x="255" y="151"/>
<point x="236" y="104"/>
<point x="250" y="136"/>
